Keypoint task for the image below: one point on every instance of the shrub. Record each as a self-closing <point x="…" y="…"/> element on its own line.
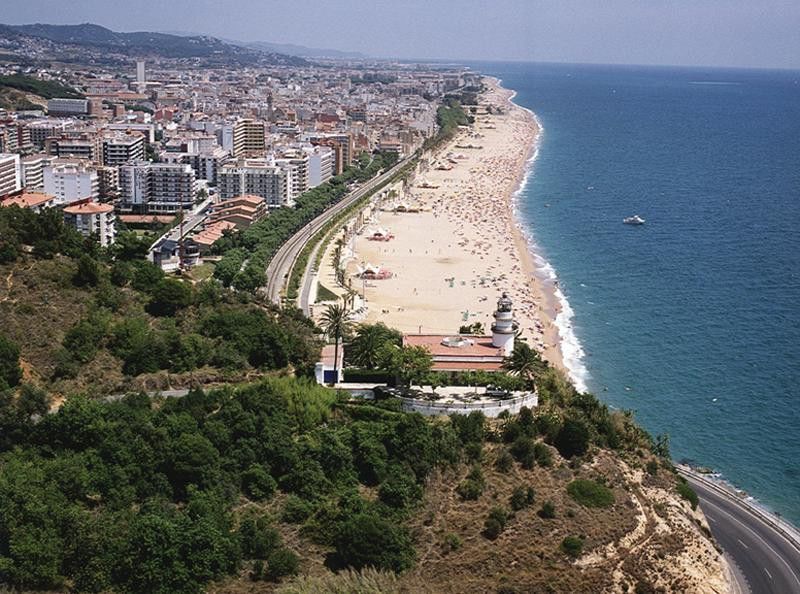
<point x="590" y="493"/>
<point x="572" y="439"/>
<point x="473" y="451"/>
<point x="495" y="523"/>
<point x="282" y="562"/>
<point x="572" y="546"/>
<point x="504" y="461"/>
<point x="547" y="511"/>
<point x="492" y="528"/>
<point x="522" y="450"/>
<point x="366" y="540"/>
<point x="521" y="498"/>
<point x="652" y="468"/>
<point x="472" y="487"/>
<point x="399" y="490"/>
<point x="10" y="371"/>
<point x="685" y="491"/>
<point x="453" y="542"/>
<point x="542" y="454"/>
<point x="257" y="483"/>
<point x="296" y="510"/>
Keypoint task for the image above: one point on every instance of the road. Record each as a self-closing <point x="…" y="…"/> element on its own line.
<point x="280" y="266"/>
<point x="191" y="219"/>
<point x="768" y="560"/>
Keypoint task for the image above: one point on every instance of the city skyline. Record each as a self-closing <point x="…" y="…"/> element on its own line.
<point x="729" y="33"/>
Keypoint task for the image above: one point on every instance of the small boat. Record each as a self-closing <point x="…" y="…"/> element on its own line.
<point x="634" y="220"/>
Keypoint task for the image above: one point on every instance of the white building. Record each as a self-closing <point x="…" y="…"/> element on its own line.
<point x="258" y="177"/>
<point x="32" y="167"/>
<point x="157" y="188"/>
<point x="320" y="165"/>
<point x="10" y="174"/>
<point x="91" y="218"/>
<point x="70" y="181"/>
<point x="63" y="106"/>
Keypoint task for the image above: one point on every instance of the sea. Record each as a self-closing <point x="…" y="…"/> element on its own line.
<point x="691" y="320"/>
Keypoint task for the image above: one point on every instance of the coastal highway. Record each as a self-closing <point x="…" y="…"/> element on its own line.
<point x="280" y="266"/>
<point x="765" y="551"/>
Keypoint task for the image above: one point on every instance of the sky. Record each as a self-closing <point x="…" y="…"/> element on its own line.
<point x="743" y="33"/>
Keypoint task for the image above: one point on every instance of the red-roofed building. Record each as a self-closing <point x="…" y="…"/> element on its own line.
<point x="242" y="211"/>
<point x="91" y="218"/>
<point x="34" y="201"/>
<point x="459" y="353"/>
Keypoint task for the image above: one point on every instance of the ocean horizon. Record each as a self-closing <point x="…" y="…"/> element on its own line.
<point x="691" y="320"/>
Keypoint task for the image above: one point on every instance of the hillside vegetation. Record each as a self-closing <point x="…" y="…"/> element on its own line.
<point x="85" y="322"/>
<point x="47" y="89"/>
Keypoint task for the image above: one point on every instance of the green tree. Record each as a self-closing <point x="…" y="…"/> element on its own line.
<point x="362" y="350"/>
<point x="336" y="325"/>
<point x="168" y="296"/>
<point x="10" y="371"/>
<point x="366" y="540"/>
<point x="524" y="361"/>
<point x="407" y="363"/>
<point x="572" y="439"/>
<point x="88" y="273"/>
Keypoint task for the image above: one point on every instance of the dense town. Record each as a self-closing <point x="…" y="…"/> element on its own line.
<point x="153" y="144"/>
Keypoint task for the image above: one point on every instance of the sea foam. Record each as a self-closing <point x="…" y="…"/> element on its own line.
<point x="571" y="350"/>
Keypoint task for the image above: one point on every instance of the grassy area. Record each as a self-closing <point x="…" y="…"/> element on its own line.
<point x="325" y="294"/>
<point x="44" y="88"/>
<point x="590" y="493"/>
<point x="202" y="272"/>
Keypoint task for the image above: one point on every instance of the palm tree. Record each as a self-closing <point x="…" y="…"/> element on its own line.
<point x="524" y="362"/>
<point x="363" y="351"/>
<point x="350" y="297"/>
<point x="336" y="324"/>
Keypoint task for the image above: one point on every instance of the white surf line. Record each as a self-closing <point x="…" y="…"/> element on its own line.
<point x="766" y="544"/>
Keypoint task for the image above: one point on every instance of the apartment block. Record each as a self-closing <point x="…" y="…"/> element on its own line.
<point x="156" y="188"/>
<point x="10" y="175"/>
<point x="67" y="107"/>
<point x="120" y="148"/>
<point x="32" y="168"/>
<point x="70" y="181"/>
<point x="258" y="177"/>
<point x="92" y="220"/>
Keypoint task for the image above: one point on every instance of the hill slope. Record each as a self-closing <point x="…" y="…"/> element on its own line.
<point x="142" y="43"/>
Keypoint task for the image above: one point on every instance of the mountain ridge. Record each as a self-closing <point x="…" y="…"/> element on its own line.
<point x="146" y="43"/>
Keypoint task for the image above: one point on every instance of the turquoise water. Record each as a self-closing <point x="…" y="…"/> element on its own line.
<point x="693" y="319"/>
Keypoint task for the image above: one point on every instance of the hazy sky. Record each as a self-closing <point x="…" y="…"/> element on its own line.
<point x="692" y="32"/>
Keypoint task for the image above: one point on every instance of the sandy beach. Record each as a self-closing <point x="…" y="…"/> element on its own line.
<point x="451" y="260"/>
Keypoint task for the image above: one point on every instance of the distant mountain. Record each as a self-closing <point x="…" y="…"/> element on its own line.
<point x="148" y="43"/>
<point x="300" y="50"/>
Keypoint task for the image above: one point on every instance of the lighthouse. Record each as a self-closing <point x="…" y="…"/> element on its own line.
<point x="504" y="327"/>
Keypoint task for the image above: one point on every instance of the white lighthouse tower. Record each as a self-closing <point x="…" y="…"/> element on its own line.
<point x="504" y="326"/>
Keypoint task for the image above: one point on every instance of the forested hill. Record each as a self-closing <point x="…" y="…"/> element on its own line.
<point x="144" y="43"/>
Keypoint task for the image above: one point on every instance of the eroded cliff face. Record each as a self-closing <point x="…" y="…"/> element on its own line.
<point x="648" y="540"/>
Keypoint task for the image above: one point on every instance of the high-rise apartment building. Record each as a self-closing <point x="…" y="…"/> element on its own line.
<point x="258" y="177"/>
<point x="120" y="148"/>
<point x="92" y="219"/>
<point x="244" y="138"/>
<point x="156" y="187"/>
<point x="32" y="167"/>
<point x="81" y="146"/>
<point x="10" y="176"/>
<point x="320" y="165"/>
<point x="70" y="181"/>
